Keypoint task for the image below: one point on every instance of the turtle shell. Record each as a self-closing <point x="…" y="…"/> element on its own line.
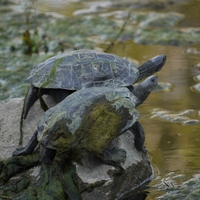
<point x="88" y="119"/>
<point x="83" y="68"/>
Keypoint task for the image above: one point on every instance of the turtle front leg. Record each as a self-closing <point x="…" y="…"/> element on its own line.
<point x="139" y="136"/>
<point x="114" y="155"/>
<point x="30" y="99"/>
<point x="29" y="148"/>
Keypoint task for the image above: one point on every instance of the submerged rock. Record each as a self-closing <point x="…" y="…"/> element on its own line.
<point x="95" y="179"/>
<point x="194" y="51"/>
<point x="167" y="36"/>
<point x="196" y="87"/>
<point x="186" y="117"/>
<point x="177" y="187"/>
<point x="163" y="87"/>
<point x="156" y="19"/>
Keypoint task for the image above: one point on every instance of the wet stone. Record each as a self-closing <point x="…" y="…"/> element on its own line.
<point x="178" y="188"/>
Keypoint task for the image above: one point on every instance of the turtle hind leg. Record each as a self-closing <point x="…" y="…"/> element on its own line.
<point x="30" y="99"/>
<point x="47" y="155"/>
<point x="63" y="94"/>
<point x="58" y="94"/>
<point x="29" y="148"/>
<point x="114" y="155"/>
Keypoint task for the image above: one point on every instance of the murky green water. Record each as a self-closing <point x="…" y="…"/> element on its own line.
<point x="173" y="147"/>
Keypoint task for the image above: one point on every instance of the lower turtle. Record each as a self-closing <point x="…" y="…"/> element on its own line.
<point x="87" y="121"/>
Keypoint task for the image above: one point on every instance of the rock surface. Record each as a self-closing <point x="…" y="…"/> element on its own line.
<point x="94" y="177"/>
<point x="10" y="114"/>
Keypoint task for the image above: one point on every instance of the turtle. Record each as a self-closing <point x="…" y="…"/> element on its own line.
<point x="87" y="121"/>
<point x="61" y="75"/>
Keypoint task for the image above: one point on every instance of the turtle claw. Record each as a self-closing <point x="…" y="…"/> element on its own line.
<point x="29" y="148"/>
<point x="19" y="151"/>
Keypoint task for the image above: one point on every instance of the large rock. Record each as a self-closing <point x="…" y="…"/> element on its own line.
<point x="97" y="179"/>
<point x="10" y="115"/>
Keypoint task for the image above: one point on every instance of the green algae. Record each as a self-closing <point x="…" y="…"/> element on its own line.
<point x="56" y="181"/>
<point x="167" y="36"/>
<point x="96" y="138"/>
<point x="10" y="189"/>
<point x="88" y="137"/>
<point x="14" y="165"/>
<point x="49" y="186"/>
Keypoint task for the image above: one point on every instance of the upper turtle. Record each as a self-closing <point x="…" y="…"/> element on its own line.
<point x="82" y="69"/>
<point x="86" y="68"/>
<point x="63" y="74"/>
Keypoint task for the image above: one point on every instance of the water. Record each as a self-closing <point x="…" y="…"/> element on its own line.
<point x="173" y="147"/>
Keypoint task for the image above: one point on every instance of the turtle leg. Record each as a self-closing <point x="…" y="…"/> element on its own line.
<point x="63" y="94"/>
<point x="58" y="94"/>
<point x="29" y="148"/>
<point x="114" y="155"/>
<point x="47" y="155"/>
<point x="30" y="99"/>
<point x="139" y="138"/>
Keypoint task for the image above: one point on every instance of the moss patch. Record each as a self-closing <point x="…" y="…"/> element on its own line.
<point x="100" y="127"/>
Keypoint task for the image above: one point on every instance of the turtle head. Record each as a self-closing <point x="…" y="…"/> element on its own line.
<point x="143" y="90"/>
<point x="152" y="66"/>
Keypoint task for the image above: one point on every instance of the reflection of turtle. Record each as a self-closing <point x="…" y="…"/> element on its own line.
<point x="88" y="120"/>
<point x="61" y="75"/>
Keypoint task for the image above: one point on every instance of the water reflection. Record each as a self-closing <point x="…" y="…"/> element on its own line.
<point x="191" y="10"/>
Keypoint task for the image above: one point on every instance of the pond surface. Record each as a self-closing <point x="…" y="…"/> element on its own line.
<point x="173" y="137"/>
